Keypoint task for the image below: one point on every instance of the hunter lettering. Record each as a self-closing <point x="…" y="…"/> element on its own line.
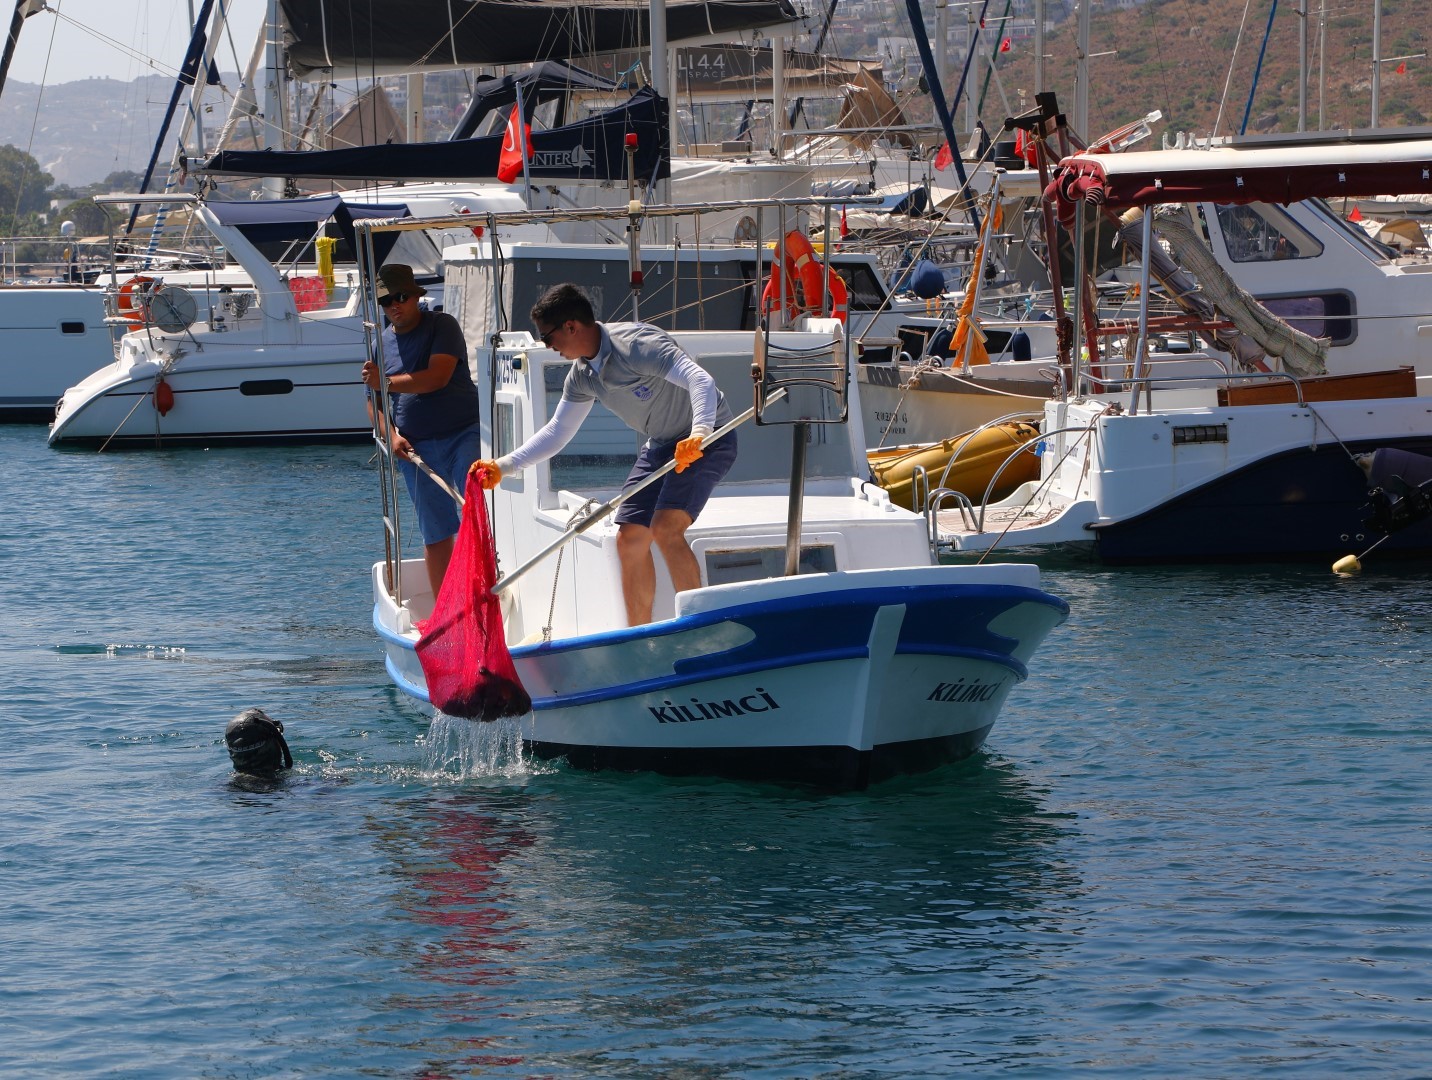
<point x="959" y="690"/>
<point x="669" y="712"/>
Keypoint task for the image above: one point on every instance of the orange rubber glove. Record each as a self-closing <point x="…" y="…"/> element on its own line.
<point x="487" y="473"/>
<point x="687" y="451"/>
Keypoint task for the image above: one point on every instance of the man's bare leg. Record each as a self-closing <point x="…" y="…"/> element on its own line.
<point x="638" y="572"/>
<point x="436" y="557"/>
<point x="668" y="528"/>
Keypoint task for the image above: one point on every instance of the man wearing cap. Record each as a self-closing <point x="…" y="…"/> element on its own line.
<point x="434" y="405"/>
<point x="640" y="373"/>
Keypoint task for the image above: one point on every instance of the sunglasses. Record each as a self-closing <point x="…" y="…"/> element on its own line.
<point x="547" y="337"/>
<point x="391" y="298"/>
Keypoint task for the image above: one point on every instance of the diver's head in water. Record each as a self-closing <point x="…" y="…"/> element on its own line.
<point x="256" y="744"/>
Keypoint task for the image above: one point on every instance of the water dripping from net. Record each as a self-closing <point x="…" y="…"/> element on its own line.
<point x="465" y="749"/>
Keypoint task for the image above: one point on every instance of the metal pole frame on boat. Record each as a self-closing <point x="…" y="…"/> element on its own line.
<point x="1076" y="372"/>
<point x="1141" y="352"/>
<point x="607" y="507"/>
<point x="382" y="419"/>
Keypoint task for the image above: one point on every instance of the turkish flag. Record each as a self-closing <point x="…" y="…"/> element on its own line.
<point x="516" y="145"/>
<point x="1005" y="44"/>
<point x="944" y="159"/>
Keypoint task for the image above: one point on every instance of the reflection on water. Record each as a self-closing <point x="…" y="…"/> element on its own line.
<point x="683" y="914"/>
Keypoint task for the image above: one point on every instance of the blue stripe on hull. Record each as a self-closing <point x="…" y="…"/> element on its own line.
<point x="836" y="768"/>
<point x="1306" y="505"/>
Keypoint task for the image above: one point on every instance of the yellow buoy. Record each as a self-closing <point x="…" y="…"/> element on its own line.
<point x="1348" y="564"/>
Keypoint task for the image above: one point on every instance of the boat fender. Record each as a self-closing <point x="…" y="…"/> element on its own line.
<point x="163" y="396"/>
<point x="1020" y="347"/>
<point x="127" y="304"/>
<point x="256" y="744"/>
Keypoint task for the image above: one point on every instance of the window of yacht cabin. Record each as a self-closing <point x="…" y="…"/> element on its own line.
<point x="1261" y="232"/>
<point x="1374" y="249"/>
<point x="1328" y="313"/>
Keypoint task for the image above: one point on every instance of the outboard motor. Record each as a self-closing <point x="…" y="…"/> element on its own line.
<point x="1401" y="488"/>
<point x="256" y="744"/>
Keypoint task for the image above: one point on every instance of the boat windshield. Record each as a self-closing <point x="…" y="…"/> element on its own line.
<point x="1373" y="249"/>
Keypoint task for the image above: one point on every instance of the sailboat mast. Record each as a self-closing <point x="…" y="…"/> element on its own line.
<point x="1376" y="62"/>
<point x="1081" y="71"/>
<point x="1302" y="65"/>
<point x="273" y="110"/>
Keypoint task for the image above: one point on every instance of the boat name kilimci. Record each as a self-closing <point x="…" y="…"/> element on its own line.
<point x="975" y="691"/>
<point x="671" y="713"/>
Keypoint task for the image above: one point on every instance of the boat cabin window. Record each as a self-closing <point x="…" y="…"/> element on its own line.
<point x="1320" y="314"/>
<point x="1260" y="232"/>
<point x="504" y="427"/>
<point x="725" y="565"/>
<point x="1374" y="249"/>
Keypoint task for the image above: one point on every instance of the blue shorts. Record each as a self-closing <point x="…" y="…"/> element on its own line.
<point x="450" y="456"/>
<point x="686" y="490"/>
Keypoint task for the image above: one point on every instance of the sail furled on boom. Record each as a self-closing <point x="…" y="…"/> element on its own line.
<point x="331" y="39"/>
<point x="591" y="149"/>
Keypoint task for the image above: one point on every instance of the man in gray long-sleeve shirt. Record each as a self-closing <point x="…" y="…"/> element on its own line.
<point x="640" y="373"/>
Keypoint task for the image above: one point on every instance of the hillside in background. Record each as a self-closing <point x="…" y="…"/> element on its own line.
<point x="82" y="131"/>
<point x="1178" y="54"/>
<point x="1189" y="59"/>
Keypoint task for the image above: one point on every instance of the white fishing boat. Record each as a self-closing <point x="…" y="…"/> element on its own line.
<point x="1231" y="464"/>
<point x="825" y="644"/>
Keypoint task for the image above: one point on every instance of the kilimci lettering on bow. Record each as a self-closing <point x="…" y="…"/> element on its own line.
<point x="671" y="713"/>
<point x="962" y="691"/>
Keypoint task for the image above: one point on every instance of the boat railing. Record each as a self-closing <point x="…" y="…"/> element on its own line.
<point x="990" y="487"/>
<point x="1145" y="383"/>
<point x="933" y="505"/>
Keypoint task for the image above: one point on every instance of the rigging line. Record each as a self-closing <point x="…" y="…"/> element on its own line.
<point x="1232" y="60"/>
<point x="128" y="51"/>
<point x="35" y="119"/>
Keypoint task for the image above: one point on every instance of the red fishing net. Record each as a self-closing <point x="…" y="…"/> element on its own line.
<point x="462" y="649"/>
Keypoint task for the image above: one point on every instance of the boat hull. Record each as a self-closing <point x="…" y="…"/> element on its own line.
<point x="1306" y="504"/>
<point x="837" y="679"/>
<point x="312" y="401"/>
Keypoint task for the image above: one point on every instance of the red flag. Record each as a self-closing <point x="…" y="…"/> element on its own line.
<point x="1005" y="44"/>
<point x="844" y="228"/>
<point x="1356" y="215"/>
<point x="516" y="144"/>
<point x="1024" y="147"/>
<point x="1401" y="68"/>
<point x="944" y="159"/>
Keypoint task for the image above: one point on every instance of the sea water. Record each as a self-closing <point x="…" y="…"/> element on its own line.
<point x="1196" y="843"/>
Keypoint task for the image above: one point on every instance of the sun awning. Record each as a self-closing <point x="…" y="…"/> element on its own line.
<point x="1244" y="172"/>
<point x="366" y="40"/>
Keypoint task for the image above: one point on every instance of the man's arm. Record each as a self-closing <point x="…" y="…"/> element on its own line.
<point x="434" y="377"/>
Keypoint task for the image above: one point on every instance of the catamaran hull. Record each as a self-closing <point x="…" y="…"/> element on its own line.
<point x="297" y="402"/>
<point x="838" y="688"/>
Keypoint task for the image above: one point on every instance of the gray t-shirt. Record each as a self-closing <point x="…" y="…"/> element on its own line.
<point x="629" y="376"/>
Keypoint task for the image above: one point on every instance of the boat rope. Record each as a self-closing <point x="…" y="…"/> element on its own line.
<point x="1318" y="419"/>
<point x="987" y="388"/>
<point x="164" y="370"/>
